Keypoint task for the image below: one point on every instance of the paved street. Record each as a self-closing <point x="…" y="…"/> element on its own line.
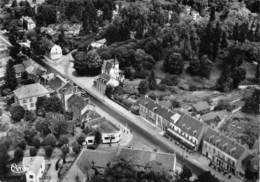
<point x="196" y="162"/>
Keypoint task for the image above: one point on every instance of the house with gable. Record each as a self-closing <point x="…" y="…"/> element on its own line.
<point x="90" y="161"/>
<point x="180" y="126"/>
<point x="53" y="51"/>
<point x="223" y="152"/>
<point x="27" y="95"/>
<point x="110" y="75"/>
<point x="35" y="168"/>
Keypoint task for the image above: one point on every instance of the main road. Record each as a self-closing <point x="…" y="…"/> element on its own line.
<point x="64" y="68"/>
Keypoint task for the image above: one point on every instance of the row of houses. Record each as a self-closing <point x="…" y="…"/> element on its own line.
<point x="222" y="151"/>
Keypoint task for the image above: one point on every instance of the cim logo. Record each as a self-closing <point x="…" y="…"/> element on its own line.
<point x="19" y="169"/>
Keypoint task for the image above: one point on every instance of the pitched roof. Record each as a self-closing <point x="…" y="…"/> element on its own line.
<point x="33" y="163"/>
<point x="187" y="123"/>
<point x="201" y="106"/>
<point x="224" y="143"/>
<point x="103" y="125"/>
<point x="190" y="125"/>
<point x="19" y="68"/>
<point x="77" y="101"/>
<point x="31" y="90"/>
<point x="92" y="114"/>
<point x="101" y="159"/>
<point x="214" y="114"/>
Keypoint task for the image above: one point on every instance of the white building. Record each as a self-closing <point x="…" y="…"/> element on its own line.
<point x="27" y="95"/>
<point x="55" y="52"/>
<point x="98" y="44"/>
<point x="30" y="23"/>
<point x="35" y="168"/>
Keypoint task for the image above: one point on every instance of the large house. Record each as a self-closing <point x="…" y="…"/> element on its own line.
<point x="89" y="162"/>
<point x="180" y="126"/>
<point x="35" y="168"/>
<point x="27" y="95"/>
<point x="223" y="152"/>
<point x="110" y="75"/>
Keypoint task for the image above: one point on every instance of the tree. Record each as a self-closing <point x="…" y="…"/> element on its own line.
<point x="151" y="81"/>
<point x="29" y="116"/>
<point x="186" y="173"/>
<point x="89" y="17"/>
<point x="48" y="151"/>
<point x="18" y="155"/>
<point x="109" y="91"/>
<point x="17" y="113"/>
<point x="24" y="75"/>
<point x="50" y="140"/>
<point x="36" y="142"/>
<point x="143" y="87"/>
<point x="46" y="15"/>
<point x="42" y="125"/>
<point x="4" y="156"/>
<point x="63" y="140"/>
<point x="22" y="145"/>
<point x="87" y="63"/>
<point x="205" y="67"/>
<point x="252" y="103"/>
<point x="58" y="124"/>
<point x="238" y="74"/>
<point x="81" y="138"/>
<point x="14" y="4"/>
<point x="10" y="76"/>
<point x="76" y="148"/>
<point x="65" y="150"/>
<point x="206" y="177"/>
<point x="29" y="134"/>
<point x="33" y="151"/>
<point x="173" y="63"/>
<point x="98" y="137"/>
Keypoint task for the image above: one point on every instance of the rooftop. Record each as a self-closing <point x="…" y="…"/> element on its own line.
<point x="33" y="163"/>
<point x="57" y="82"/>
<point x="187" y="123"/>
<point x="103" y="125"/>
<point x="224" y="143"/>
<point x="31" y="90"/>
<point x="101" y="158"/>
<point x="212" y="115"/>
<point x="201" y="106"/>
<point x="78" y="101"/>
<point x="19" y="68"/>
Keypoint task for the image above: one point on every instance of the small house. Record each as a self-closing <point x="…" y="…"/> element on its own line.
<point x="53" y="51"/>
<point x="35" y="168"/>
<point x="215" y="117"/>
<point x="19" y="69"/>
<point x="201" y="107"/>
<point x="98" y="44"/>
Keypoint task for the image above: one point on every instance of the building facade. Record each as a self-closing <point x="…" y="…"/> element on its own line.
<point x="27" y="95"/>
<point x="223" y="152"/>
<point x="179" y="126"/>
<point x="35" y="168"/>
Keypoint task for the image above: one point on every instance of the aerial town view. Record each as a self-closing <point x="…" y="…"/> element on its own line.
<point x="129" y="90"/>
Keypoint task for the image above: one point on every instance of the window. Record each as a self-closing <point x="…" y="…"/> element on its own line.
<point x="24" y="100"/>
<point x="31" y="176"/>
<point x="31" y="99"/>
<point x="106" y="138"/>
<point x="32" y="105"/>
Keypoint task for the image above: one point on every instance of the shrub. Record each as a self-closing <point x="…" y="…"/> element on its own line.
<point x="50" y="140"/>
<point x="48" y="151"/>
<point x="161" y="87"/>
<point x="63" y="140"/>
<point x="76" y="147"/>
<point x="17" y="113"/>
<point x="36" y="142"/>
<point x="81" y="139"/>
<point x="22" y="144"/>
<point x="18" y="154"/>
<point x="33" y="151"/>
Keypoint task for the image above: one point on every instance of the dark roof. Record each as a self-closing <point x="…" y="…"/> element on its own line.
<point x="224" y="143"/>
<point x="77" y="101"/>
<point x="201" y="106"/>
<point x="187" y="123"/>
<point x="190" y="125"/>
<point x="214" y="114"/>
<point x="101" y="158"/>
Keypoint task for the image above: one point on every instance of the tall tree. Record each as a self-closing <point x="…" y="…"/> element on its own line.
<point x="89" y="17"/>
<point x="151" y="81"/>
<point x="252" y="103"/>
<point x="10" y="76"/>
<point x="4" y="157"/>
<point x="174" y="63"/>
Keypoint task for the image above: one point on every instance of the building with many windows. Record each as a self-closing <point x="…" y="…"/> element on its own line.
<point x="180" y="126"/>
<point x="223" y="152"/>
<point x="27" y="95"/>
